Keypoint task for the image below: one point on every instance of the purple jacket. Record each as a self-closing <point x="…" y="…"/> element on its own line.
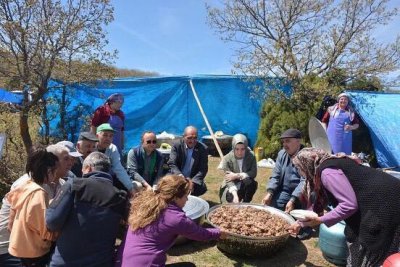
<point x="148" y="246"/>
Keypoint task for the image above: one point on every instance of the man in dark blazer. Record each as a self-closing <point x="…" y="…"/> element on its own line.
<point x="189" y="158"/>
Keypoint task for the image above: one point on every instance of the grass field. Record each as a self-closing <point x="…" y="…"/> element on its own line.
<point x="206" y="254"/>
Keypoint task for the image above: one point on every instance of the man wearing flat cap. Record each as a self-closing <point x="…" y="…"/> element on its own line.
<point x="86" y="144"/>
<point x="285" y="184"/>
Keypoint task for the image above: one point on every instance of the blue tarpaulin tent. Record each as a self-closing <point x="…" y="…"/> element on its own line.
<point x="8" y="97"/>
<point x="380" y="112"/>
<point x="231" y="103"/>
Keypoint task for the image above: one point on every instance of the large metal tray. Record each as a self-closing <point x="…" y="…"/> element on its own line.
<point x="252" y="246"/>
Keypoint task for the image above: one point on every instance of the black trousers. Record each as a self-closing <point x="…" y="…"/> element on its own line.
<point x="42" y="261"/>
<point x="248" y="188"/>
<point x="199" y="190"/>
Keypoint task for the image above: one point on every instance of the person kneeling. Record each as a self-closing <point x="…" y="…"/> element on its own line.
<point x="155" y="221"/>
<point x="240" y="170"/>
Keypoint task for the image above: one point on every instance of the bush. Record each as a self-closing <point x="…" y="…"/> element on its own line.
<point x="278" y="114"/>
<point x="13" y="160"/>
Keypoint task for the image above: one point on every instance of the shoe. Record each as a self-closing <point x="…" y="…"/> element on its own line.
<point x="305" y="233"/>
<point x="229" y="197"/>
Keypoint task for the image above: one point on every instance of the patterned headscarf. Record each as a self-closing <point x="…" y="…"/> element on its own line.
<point x="115" y="97"/>
<point x="307" y="162"/>
<point x="335" y="108"/>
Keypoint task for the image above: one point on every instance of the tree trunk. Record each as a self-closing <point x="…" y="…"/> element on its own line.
<point x="24" y="129"/>
<point x="46" y="122"/>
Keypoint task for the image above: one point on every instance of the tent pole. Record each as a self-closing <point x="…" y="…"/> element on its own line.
<point x="206" y="120"/>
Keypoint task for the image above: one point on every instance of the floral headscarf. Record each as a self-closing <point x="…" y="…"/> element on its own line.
<point x="115" y="97"/>
<point x="307" y="162"/>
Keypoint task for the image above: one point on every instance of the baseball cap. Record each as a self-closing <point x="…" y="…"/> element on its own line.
<point x="72" y="151"/>
<point x="291" y="133"/>
<point x="87" y="136"/>
<point x="104" y="127"/>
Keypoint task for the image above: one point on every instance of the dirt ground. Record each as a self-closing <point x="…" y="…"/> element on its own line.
<point x="295" y="252"/>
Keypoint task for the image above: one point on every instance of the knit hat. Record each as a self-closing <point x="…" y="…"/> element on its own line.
<point x="104" y="127"/>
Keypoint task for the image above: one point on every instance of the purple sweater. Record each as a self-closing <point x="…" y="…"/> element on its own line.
<point x="337" y="183"/>
<point x="148" y="246"/>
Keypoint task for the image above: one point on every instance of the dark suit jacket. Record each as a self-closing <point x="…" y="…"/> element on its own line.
<point x="177" y="160"/>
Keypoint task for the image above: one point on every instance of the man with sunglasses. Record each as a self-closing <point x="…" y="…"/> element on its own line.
<point x="145" y="163"/>
<point x="189" y="158"/>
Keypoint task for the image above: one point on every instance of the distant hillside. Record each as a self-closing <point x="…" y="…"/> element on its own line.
<point x="134" y="73"/>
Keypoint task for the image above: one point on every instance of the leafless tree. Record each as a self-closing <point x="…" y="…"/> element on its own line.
<point x="44" y="39"/>
<point x="293" y="39"/>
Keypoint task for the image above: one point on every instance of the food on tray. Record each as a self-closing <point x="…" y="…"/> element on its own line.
<point x="248" y="221"/>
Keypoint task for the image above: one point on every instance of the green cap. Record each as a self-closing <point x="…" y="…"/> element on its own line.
<point x="104" y="127"/>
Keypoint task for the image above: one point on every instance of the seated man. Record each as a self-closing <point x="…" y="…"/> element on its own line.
<point x="86" y="213"/>
<point x="285" y="185"/>
<point x="105" y="135"/>
<point x="86" y="144"/>
<point x="144" y="162"/>
<point x="240" y="170"/>
<point x="189" y="158"/>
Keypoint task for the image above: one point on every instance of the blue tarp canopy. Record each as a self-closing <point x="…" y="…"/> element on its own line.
<point x="8" y="97"/>
<point x="231" y="103"/>
<point x="380" y="112"/>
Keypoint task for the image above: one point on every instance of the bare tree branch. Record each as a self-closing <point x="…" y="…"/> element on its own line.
<point x="298" y="38"/>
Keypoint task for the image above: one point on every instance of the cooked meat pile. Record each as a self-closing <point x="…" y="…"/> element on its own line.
<point x="248" y="221"/>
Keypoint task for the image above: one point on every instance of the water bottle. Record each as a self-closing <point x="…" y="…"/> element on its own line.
<point x="346" y="123"/>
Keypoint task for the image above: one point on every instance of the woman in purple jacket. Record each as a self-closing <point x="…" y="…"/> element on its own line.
<point x="365" y="198"/>
<point x="156" y="219"/>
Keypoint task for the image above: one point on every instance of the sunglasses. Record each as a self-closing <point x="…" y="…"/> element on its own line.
<point x="191" y="137"/>
<point x="151" y="142"/>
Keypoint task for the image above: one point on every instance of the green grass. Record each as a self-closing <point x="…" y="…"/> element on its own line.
<point x="206" y="254"/>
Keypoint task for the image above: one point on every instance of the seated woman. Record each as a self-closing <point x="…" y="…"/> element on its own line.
<point x="240" y="170"/>
<point x="155" y="221"/>
<point x="29" y="239"/>
<point x="339" y="122"/>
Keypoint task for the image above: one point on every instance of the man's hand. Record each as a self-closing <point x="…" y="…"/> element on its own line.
<point x="147" y="186"/>
<point x="289" y="206"/>
<point x="267" y="199"/>
<point x="231" y="176"/>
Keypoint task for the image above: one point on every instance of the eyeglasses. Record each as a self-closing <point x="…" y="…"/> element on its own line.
<point x="191" y="137"/>
<point x="151" y="142"/>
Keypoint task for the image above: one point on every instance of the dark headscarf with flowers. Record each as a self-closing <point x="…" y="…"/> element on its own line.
<point x="307" y="162"/>
<point x="115" y="97"/>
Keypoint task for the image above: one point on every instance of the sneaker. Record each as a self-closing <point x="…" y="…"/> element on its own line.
<point x="229" y="197"/>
